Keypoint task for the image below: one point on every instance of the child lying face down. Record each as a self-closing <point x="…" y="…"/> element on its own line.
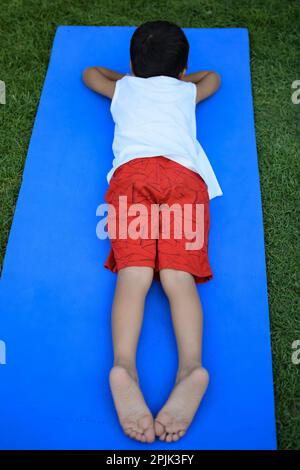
<point x="158" y="163"/>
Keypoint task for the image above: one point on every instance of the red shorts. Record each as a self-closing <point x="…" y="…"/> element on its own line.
<point x="164" y="238"/>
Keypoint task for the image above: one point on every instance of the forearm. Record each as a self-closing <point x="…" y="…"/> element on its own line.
<point x="195" y="77"/>
<point x="207" y="83"/>
<point x="110" y="74"/>
<point x="101" y="80"/>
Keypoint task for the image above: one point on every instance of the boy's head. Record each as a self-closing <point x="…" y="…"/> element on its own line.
<point x="159" y="48"/>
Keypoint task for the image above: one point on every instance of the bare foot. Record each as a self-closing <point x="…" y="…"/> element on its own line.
<point x="134" y="415"/>
<point x="177" y="414"/>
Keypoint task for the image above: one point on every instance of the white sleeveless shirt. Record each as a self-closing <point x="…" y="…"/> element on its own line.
<point x="156" y="116"/>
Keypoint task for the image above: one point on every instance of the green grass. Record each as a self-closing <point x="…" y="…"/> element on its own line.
<point x="26" y="35"/>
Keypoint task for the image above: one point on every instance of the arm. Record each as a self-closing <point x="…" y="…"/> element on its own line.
<point x="207" y="83"/>
<point x="101" y="80"/>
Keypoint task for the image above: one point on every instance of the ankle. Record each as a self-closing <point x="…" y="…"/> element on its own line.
<point x="129" y="366"/>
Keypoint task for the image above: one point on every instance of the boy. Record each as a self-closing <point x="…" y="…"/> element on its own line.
<point x="158" y="160"/>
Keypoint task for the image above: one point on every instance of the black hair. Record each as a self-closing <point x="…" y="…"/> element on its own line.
<point x="158" y="48"/>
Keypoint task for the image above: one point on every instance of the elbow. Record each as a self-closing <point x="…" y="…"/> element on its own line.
<point x="217" y="79"/>
<point x="214" y="80"/>
<point x="85" y="74"/>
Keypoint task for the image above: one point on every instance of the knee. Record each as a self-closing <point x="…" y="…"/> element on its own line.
<point x="173" y="279"/>
<point x="139" y="277"/>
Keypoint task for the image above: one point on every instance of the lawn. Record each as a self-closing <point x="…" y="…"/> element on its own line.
<point x="27" y="30"/>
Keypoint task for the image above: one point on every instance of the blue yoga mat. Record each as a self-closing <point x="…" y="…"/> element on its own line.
<point x="56" y="295"/>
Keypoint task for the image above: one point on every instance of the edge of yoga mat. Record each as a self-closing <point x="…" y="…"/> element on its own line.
<point x="80" y="432"/>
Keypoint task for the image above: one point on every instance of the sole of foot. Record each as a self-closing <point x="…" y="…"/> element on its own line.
<point x="176" y="415"/>
<point x="133" y="413"/>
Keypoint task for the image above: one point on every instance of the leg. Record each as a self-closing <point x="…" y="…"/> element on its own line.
<point x="187" y="317"/>
<point x="127" y="315"/>
<point x="192" y="379"/>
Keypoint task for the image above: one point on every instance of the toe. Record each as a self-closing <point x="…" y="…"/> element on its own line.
<point x="146" y="427"/>
<point x="175" y="437"/>
<point x="169" y="438"/>
<point x="164" y="418"/>
<point x="159" y="428"/>
<point x="143" y="438"/>
<point x="172" y="428"/>
<point x="163" y="436"/>
<point x="149" y="434"/>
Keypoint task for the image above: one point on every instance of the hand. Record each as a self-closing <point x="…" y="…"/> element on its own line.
<point x="101" y="80"/>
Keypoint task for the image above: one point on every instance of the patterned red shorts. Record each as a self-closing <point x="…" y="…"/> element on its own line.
<point x="152" y="234"/>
